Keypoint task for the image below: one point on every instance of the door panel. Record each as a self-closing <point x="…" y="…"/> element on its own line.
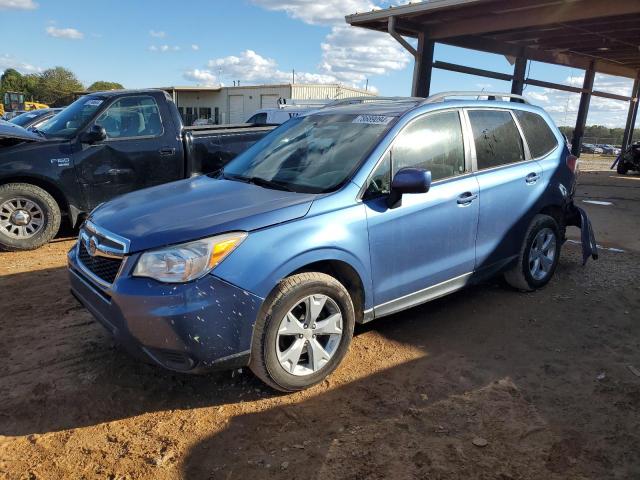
<point x="139" y="152"/>
<point x="427" y="240"/>
<point x="510" y="186"/>
<point x="236" y="109"/>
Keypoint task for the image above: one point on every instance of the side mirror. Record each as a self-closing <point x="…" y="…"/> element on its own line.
<point x="408" y="180"/>
<point x="95" y="134"/>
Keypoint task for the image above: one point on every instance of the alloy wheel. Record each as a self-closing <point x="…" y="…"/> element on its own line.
<point x="20" y="218"/>
<point x="542" y="254"/>
<point x="309" y="335"/>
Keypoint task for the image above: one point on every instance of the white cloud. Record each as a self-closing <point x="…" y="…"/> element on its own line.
<point x="353" y="54"/>
<point x="326" y="12"/>
<point x="157" y="33"/>
<point x="250" y="67"/>
<point x="7" y="61"/>
<point x="195" y="47"/>
<point x="349" y="54"/>
<point x="201" y="77"/>
<point x="68" y="33"/>
<point x="18" y="5"/>
<point x="164" y="48"/>
<point x="563" y="106"/>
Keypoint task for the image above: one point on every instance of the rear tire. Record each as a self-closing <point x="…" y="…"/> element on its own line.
<point x="292" y="347"/>
<point x="29" y="217"/>
<point x="538" y="256"/>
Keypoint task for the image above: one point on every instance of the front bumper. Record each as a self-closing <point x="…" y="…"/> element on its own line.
<point x="199" y="326"/>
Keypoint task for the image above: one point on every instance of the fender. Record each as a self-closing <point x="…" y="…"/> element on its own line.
<point x="325" y="254"/>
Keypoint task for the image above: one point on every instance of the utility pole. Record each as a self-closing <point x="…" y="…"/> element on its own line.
<point x="293" y="76"/>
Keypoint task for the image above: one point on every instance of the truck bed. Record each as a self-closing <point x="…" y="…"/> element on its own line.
<point x="211" y="147"/>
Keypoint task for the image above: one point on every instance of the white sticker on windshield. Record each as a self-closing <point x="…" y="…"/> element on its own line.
<point x="373" y="119"/>
<point x="93" y="103"/>
<point x="31" y="115"/>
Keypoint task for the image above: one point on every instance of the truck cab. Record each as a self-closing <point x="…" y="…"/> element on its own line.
<point x="103" y="145"/>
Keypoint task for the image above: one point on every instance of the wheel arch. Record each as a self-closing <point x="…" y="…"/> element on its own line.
<point x="50" y="187"/>
<point x="346" y="275"/>
<point x="339" y="264"/>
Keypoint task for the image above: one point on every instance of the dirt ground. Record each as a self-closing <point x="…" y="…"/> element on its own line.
<point x="487" y="383"/>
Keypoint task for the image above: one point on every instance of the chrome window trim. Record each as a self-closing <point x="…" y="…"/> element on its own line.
<point x="467" y="152"/>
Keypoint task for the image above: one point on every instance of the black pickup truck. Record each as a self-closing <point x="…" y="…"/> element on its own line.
<point x="103" y="145"/>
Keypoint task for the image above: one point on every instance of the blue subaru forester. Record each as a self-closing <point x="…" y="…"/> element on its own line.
<point x="350" y="213"/>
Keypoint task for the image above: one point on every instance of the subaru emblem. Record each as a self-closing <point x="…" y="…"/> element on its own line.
<point x="93" y="246"/>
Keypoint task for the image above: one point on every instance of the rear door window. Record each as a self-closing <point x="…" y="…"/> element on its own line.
<point x="496" y="137"/>
<point x="540" y="138"/>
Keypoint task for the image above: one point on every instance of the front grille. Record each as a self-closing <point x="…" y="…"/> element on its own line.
<point x="104" y="268"/>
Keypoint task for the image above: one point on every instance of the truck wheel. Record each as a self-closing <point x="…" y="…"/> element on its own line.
<point x="303" y="332"/>
<point x="538" y="257"/>
<point x="29" y="217"/>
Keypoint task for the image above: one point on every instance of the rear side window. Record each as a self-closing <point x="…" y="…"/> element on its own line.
<point x="433" y="142"/>
<point x="496" y="138"/>
<point x="540" y="138"/>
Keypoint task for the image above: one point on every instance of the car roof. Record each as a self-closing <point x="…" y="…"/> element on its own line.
<point x="398" y="106"/>
<point x="113" y="93"/>
<point x="382" y="107"/>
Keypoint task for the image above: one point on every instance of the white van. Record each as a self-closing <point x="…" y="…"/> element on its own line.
<point x="276" y="116"/>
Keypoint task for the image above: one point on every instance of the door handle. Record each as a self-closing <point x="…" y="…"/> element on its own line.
<point x="167" y="151"/>
<point x="532" y="178"/>
<point x="466" y="198"/>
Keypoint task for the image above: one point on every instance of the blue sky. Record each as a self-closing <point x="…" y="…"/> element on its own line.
<point x="150" y="43"/>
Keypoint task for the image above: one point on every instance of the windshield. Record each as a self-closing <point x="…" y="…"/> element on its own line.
<point x="312" y="154"/>
<point x="67" y="123"/>
<point x="25" y="118"/>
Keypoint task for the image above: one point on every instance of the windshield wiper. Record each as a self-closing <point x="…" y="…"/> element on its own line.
<point x="259" y="181"/>
<point x="262" y="182"/>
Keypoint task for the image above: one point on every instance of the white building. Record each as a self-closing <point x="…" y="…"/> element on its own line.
<point x="236" y="104"/>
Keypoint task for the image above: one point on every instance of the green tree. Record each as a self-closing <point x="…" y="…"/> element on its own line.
<point x="56" y="86"/>
<point x="102" y="86"/>
<point x="11" y="81"/>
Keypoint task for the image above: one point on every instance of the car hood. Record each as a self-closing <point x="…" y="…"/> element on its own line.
<point x="11" y="131"/>
<point x="196" y="208"/>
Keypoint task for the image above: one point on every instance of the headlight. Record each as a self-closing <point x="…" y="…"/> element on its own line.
<point x="188" y="261"/>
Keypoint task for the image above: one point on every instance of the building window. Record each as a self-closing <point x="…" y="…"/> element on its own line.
<point x="205" y="113"/>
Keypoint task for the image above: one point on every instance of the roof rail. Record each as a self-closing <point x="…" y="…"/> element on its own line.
<point x="441" y="97"/>
<point x="372" y="99"/>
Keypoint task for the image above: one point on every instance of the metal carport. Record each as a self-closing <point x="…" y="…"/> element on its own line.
<point x="593" y="35"/>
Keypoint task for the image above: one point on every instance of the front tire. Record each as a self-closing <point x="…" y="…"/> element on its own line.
<point x="538" y="256"/>
<point x="303" y="333"/>
<point x="29" y="217"/>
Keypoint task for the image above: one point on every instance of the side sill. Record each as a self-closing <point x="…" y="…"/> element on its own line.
<point x="422" y="296"/>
